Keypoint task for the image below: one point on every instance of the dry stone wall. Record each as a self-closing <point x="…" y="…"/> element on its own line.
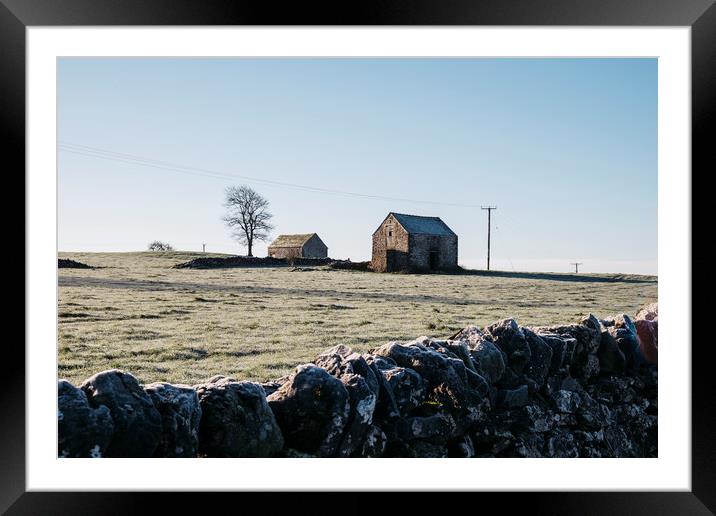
<point x="216" y="262"/>
<point x="578" y="390"/>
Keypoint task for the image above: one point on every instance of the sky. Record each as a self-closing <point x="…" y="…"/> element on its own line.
<point x="566" y="149"/>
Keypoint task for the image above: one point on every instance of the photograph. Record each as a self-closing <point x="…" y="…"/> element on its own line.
<point x="336" y="248"/>
<point x="357" y="257"/>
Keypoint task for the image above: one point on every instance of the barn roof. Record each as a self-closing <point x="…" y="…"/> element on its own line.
<point x="291" y="240"/>
<point x="424" y="225"/>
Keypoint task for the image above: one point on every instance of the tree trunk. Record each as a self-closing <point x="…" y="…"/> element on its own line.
<point x="250" y="246"/>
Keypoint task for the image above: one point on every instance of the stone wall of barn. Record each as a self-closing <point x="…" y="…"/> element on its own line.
<point x="314" y="248"/>
<point x="422" y="245"/>
<point x="390" y="253"/>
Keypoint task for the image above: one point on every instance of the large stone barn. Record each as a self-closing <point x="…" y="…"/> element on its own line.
<point x="298" y="246"/>
<point x="413" y="243"/>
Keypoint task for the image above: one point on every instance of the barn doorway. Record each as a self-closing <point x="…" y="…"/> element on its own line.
<point x="434" y="260"/>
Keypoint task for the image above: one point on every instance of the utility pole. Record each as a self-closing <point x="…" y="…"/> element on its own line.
<point x="489" y="213"/>
<point x="203" y="248"/>
<point x="576" y="266"/>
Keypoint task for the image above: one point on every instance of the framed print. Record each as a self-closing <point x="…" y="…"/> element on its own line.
<point x="342" y="246"/>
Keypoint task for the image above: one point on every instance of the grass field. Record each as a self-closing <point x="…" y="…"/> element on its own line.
<point x="136" y="313"/>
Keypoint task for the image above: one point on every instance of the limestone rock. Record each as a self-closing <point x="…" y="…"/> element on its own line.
<point x="137" y="422"/>
<point x="611" y="358"/>
<point x="374" y="443"/>
<point x="513" y="398"/>
<point x="83" y="431"/>
<point x="179" y="408"/>
<point x="508" y="336"/>
<point x="489" y="360"/>
<point x="648" y="313"/>
<point x="624" y="331"/>
<point x="566" y="401"/>
<point x="648" y="333"/>
<point x="360" y="417"/>
<point x="236" y="420"/>
<point x="540" y="357"/>
<point x="312" y="409"/>
<point x="408" y="388"/>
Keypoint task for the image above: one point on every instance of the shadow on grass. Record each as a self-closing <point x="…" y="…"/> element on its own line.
<point x="558" y="276"/>
<point x="290" y="293"/>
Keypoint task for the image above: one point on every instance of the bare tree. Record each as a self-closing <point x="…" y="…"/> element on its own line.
<point x="159" y="246"/>
<point x="247" y="215"/>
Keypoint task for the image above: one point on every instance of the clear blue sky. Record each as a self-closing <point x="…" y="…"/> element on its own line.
<point x="565" y="148"/>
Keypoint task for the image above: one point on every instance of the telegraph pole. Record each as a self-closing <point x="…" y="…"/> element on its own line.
<point x="576" y="266"/>
<point x="489" y="213"/>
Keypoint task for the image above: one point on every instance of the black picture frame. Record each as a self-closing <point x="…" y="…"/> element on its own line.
<point x="700" y="15"/>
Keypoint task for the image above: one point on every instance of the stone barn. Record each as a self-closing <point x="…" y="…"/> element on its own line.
<point x="413" y="243"/>
<point x="298" y="246"/>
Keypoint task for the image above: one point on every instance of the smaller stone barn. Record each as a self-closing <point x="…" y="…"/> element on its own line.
<point x="413" y="243"/>
<point x="298" y="246"/>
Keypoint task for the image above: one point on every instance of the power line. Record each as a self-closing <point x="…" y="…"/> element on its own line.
<point x="95" y="152"/>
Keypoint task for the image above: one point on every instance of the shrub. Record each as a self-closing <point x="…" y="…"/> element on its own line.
<point x="160" y="246"/>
